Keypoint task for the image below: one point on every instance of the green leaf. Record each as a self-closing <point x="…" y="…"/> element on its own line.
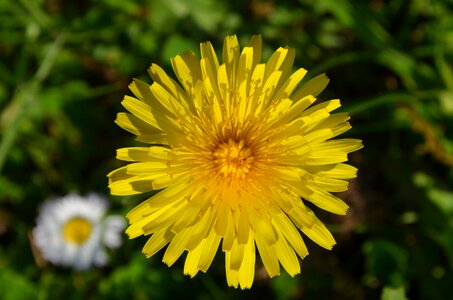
<point x="442" y="199"/>
<point x="9" y="190"/>
<point x="207" y="13"/>
<point x="422" y="180"/>
<point x="446" y="102"/>
<point x="285" y="286"/>
<point x="390" y="293"/>
<point x="385" y="261"/>
<point x="175" y="45"/>
<point x="14" y="286"/>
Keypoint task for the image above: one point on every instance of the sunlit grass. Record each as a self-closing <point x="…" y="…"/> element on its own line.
<point x="64" y="68"/>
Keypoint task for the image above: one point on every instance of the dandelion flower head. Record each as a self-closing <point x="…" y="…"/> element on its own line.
<point x="235" y="149"/>
<point x="73" y="231"/>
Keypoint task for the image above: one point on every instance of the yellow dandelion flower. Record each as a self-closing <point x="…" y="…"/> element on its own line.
<point x="235" y="149"/>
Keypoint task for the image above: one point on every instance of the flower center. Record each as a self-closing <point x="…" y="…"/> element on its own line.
<point x="233" y="159"/>
<point x="77" y="230"/>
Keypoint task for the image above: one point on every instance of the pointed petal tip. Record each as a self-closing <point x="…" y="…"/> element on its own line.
<point x="132" y="235"/>
<point x="332" y="246"/>
<point x="190" y="274"/>
<point x="246" y="286"/>
<point x="274" y="274"/>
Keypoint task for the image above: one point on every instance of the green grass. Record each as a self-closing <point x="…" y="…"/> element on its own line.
<point x="65" y="66"/>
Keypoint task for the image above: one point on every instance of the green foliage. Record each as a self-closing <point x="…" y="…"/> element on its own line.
<point x="16" y="286"/>
<point x="385" y="261"/>
<point x="65" y="66"/>
<point x="393" y="294"/>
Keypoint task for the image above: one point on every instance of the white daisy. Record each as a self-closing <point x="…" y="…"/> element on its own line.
<point x="73" y="231"/>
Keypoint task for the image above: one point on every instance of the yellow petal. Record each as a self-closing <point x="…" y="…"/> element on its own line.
<point x="327" y="105"/>
<point x="246" y="272"/>
<point x="334" y="125"/>
<point x="340" y="171"/>
<point x="256" y="83"/>
<point x="187" y="68"/>
<point x="327" y="201"/>
<point x="301" y="215"/>
<point x="131" y="186"/>
<point x="177" y="246"/>
<point x="236" y="255"/>
<point x="209" y="73"/>
<point x="145" y="132"/>
<point x="214" y="97"/>
<point x="319" y="234"/>
<point x="245" y="67"/>
<point x="230" y="57"/>
<point x="156" y="242"/>
<point x="330" y="184"/>
<point x="262" y="227"/>
<point x="162" y="218"/>
<point x="171" y="105"/>
<point x="150" y="168"/>
<point x="193" y="260"/>
<point x="286" y="255"/>
<point x="187" y="218"/>
<point x="142" y="91"/>
<point x="333" y="151"/>
<point x="269" y="87"/>
<point x="201" y="229"/>
<point x="255" y="43"/>
<point x="268" y="256"/>
<point x="133" y="154"/>
<point x="162" y="181"/>
<point x="210" y="249"/>
<point x="290" y="232"/>
<point x="224" y="90"/>
<point x="281" y="60"/>
<point x="229" y="237"/>
<point x="224" y="219"/>
<point x="160" y="76"/>
<point x="288" y="87"/>
<point x="141" y="110"/>
<point x="243" y="228"/>
<point x="231" y="274"/>
<point x="208" y="53"/>
<point x="338" y="145"/>
<point x="118" y="174"/>
<point x="312" y="87"/>
<point x="296" y="110"/>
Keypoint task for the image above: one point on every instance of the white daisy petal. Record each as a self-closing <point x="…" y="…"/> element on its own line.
<point x="73" y="231"/>
<point x="113" y="227"/>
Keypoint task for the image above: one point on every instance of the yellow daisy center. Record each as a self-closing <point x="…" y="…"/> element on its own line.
<point x="233" y="159"/>
<point x="77" y="230"/>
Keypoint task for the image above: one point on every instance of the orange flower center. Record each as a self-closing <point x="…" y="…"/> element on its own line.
<point x="233" y="159"/>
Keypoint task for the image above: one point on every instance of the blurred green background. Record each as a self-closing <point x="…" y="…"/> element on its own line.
<point x="65" y="66"/>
